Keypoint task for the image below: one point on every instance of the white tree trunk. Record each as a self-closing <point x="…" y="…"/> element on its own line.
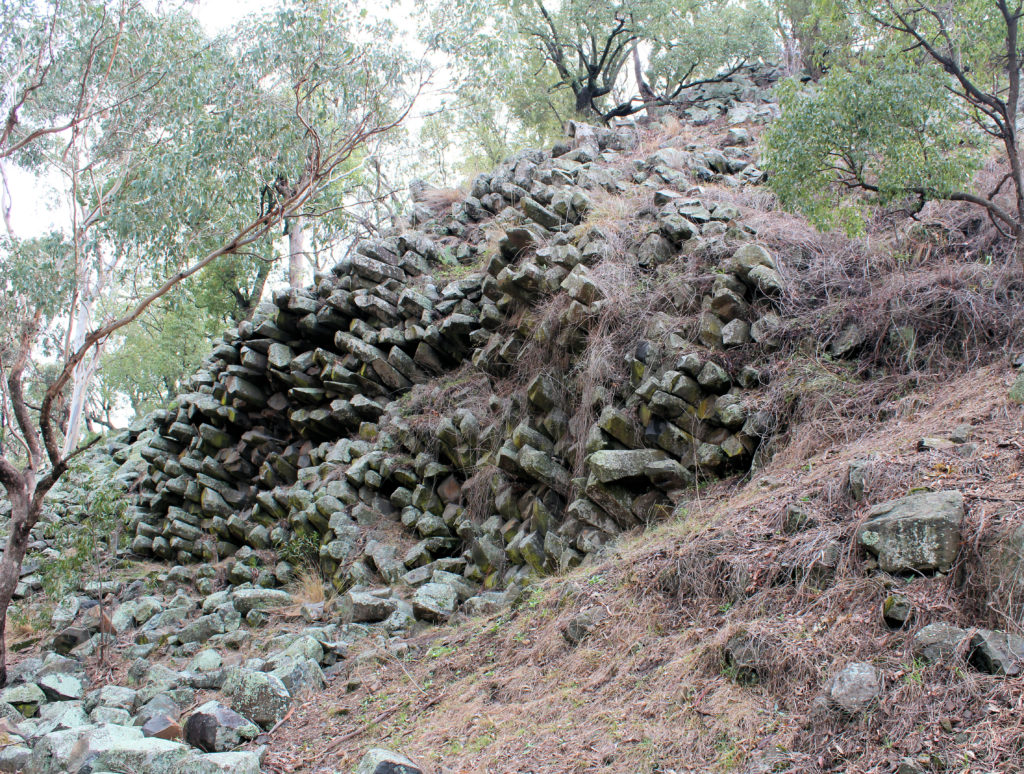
<point x="82" y="374"/>
<point x="297" y="252"/>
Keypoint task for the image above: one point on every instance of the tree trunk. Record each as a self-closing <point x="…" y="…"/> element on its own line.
<point x="296" y="252"/>
<point x="22" y="508"/>
<point x="82" y="374"/>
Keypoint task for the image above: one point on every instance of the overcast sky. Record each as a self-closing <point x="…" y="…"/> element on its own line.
<point x="35" y="209"/>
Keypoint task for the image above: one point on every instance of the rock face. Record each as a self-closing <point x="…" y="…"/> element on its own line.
<point x="312" y="424"/>
<point x="920" y="533"/>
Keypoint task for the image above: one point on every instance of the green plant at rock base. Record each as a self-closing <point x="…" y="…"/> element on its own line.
<point x="83" y="547"/>
<point x="300" y="550"/>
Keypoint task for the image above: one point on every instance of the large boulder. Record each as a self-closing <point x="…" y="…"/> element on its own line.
<point x="380" y="761"/>
<point x="920" y="533"/>
<point x="149" y="755"/>
<point x="259" y="696"/>
<point x="216" y="728"/>
<point x="70" y="749"/>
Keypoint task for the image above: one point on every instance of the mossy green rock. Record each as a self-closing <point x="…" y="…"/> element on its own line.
<point x="26" y="698"/>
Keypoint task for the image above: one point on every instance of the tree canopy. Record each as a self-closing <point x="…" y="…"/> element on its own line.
<point x="908" y="110"/>
<point x="521" y="68"/>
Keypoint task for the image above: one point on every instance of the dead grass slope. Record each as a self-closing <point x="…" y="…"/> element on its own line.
<point x="648" y="691"/>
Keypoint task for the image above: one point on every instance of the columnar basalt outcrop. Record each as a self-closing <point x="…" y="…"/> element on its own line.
<point x="299" y="426"/>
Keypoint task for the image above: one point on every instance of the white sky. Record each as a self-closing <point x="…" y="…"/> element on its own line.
<point x="35" y="209"/>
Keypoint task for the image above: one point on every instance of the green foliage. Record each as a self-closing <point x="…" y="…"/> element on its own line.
<point x="876" y="132"/>
<point x="300" y="550"/>
<point x="180" y="137"/>
<point x="695" y="41"/>
<point x="152" y="360"/>
<point x="521" y="68"/>
<point x="89" y="545"/>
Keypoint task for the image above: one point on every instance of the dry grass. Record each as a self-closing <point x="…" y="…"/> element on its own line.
<point x="440" y="200"/>
<point x="649" y="691"/>
<point x="309" y="587"/>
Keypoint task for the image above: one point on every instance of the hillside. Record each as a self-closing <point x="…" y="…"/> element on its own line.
<point x="602" y="464"/>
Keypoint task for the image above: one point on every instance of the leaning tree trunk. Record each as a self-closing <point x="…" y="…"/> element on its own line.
<point x="25" y="509"/>
<point x="296" y="252"/>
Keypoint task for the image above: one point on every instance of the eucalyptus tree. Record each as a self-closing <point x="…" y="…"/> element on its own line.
<point x="174" y="151"/>
<point x="926" y="94"/>
<point x="521" y="68"/>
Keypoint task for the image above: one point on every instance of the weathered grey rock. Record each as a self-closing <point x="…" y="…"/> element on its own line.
<point x="207" y="660"/>
<point x="64" y="714"/>
<point x="65" y="612"/>
<point x="767" y="280"/>
<point x="242" y="762"/>
<point x="713" y="377"/>
<point x="748" y="257"/>
<point x="858" y="475"/>
<point x="61" y="687"/>
<point x="368" y="607"/>
<point x="66" y="751"/>
<point x="434" y="602"/>
<point x="747" y="657"/>
<point x="26" y="698"/>
<point x="259" y="696"/>
<point x="897" y="611"/>
<point x="202" y="629"/>
<point x="380" y="761"/>
<point x="735" y="333"/>
<point x="15" y="758"/>
<point x="216" y="728"/>
<point x="150" y="755"/>
<point x="583" y="624"/>
<point x="938" y="641"/>
<point x="998" y="653"/>
<point x="855" y="688"/>
<point x="544" y="468"/>
<point x="614" y="465"/>
<point x="581" y="286"/>
<point x="115" y="696"/>
<point x="300" y="675"/>
<point x="245" y="600"/>
<point x="112" y="715"/>
<point x="920" y="533"/>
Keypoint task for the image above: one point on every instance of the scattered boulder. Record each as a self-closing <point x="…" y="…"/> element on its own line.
<point x="380" y="761"/>
<point x="259" y="696"/>
<point x="583" y="624"/>
<point x="997" y="653"/>
<point x="938" y="642"/>
<point x="855" y="688"/>
<point x="920" y="533"/>
<point x="216" y="728"/>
